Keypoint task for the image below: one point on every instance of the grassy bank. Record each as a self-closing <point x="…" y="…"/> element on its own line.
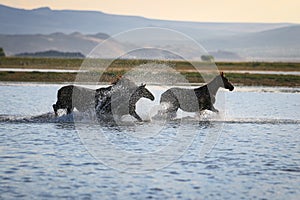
<point x="59" y="63"/>
<point x="264" y="80"/>
<point x="119" y="67"/>
<point x="51" y="77"/>
<point x="236" y="79"/>
<point x="40" y="63"/>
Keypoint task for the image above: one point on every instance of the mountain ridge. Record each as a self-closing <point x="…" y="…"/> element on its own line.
<point x="44" y="29"/>
<point x="45" y="20"/>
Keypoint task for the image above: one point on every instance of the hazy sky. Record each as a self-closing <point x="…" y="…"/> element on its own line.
<point x="187" y="10"/>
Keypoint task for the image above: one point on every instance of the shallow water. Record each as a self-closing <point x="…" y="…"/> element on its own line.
<point x="253" y="150"/>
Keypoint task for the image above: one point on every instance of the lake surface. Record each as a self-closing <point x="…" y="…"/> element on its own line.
<point x="251" y="150"/>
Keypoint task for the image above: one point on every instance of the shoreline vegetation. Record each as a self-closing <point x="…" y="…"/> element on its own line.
<point x="120" y="67"/>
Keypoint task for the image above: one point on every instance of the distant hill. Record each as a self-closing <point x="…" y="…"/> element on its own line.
<point x="74" y="42"/>
<point x="276" y="44"/>
<point x="52" y="54"/>
<point x="54" y="45"/>
<point x="281" y="44"/>
<point x="46" y="21"/>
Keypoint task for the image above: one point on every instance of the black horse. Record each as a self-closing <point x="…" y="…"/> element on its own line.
<point x="117" y="99"/>
<point x="194" y="100"/>
<point x="71" y="96"/>
<point x="120" y="99"/>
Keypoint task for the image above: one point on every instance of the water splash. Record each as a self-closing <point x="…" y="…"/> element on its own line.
<point x="207" y="117"/>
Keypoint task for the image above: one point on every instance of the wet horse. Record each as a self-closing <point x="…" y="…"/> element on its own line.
<point x="118" y="99"/>
<point x="194" y="100"/>
<point x="71" y="96"/>
<point x="121" y="100"/>
<point x="81" y="98"/>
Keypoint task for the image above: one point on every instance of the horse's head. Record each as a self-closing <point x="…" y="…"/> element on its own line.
<point x="225" y="82"/>
<point x="142" y="91"/>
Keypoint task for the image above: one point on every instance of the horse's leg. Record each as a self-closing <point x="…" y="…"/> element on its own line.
<point x="212" y="108"/>
<point x="69" y="110"/>
<point x="172" y="104"/>
<point x="135" y="115"/>
<point x="69" y="105"/>
<point x="172" y="112"/>
<point x="55" y="108"/>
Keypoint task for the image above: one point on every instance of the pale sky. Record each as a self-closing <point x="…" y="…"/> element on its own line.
<point x="185" y="10"/>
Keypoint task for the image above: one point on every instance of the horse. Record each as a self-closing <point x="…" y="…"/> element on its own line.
<point x="118" y="99"/>
<point x="71" y="96"/>
<point x="121" y="100"/>
<point x="194" y="100"/>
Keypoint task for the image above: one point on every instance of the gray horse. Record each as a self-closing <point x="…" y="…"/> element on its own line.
<point x="194" y="100"/>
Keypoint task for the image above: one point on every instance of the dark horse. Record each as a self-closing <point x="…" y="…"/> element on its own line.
<point x="100" y="100"/>
<point x="121" y="99"/>
<point x="194" y="100"/>
<point x="71" y="96"/>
